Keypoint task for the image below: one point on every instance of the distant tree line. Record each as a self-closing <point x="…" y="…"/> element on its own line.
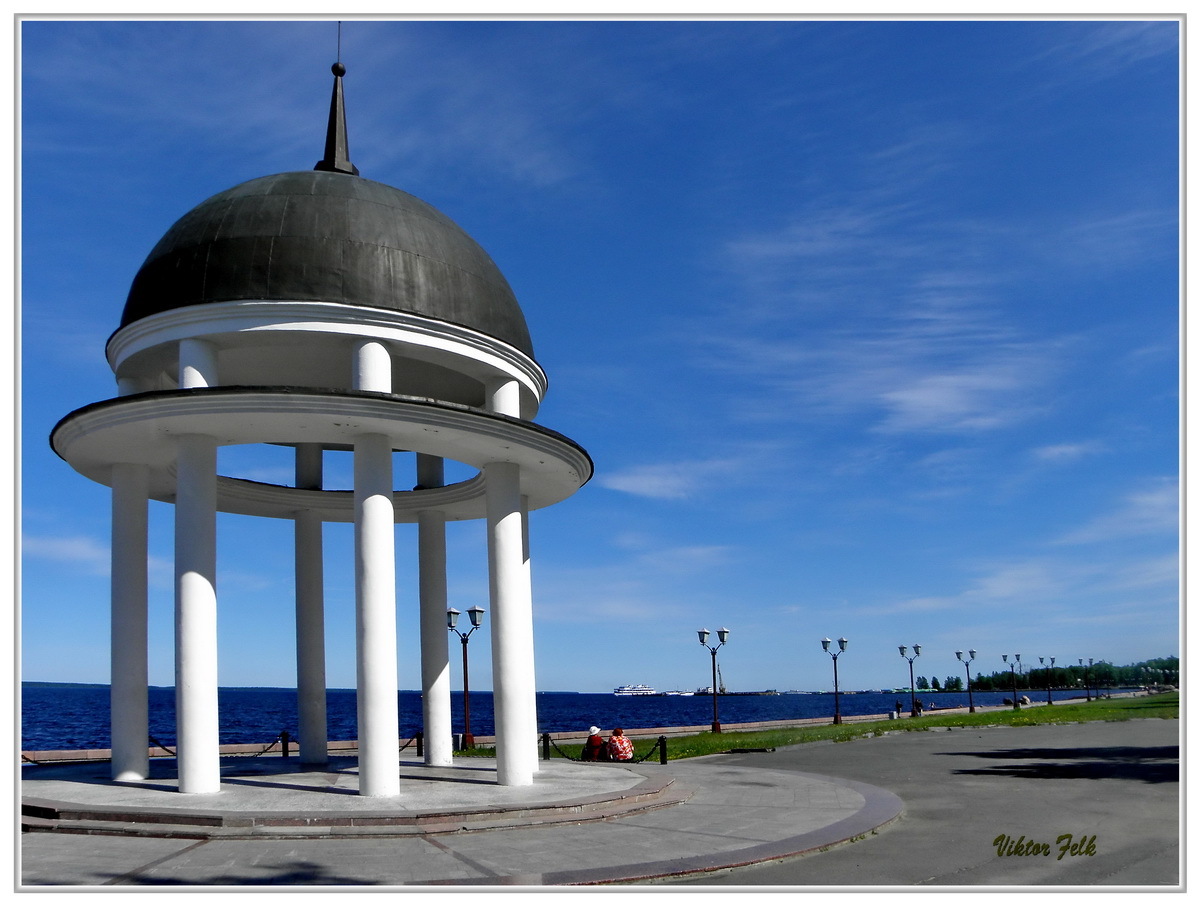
<point x="1101" y="675"/>
<point x="1098" y="676"/>
<point x="949" y="685"/>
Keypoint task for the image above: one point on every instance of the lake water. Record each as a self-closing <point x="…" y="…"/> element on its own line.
<point x="75" y="716"/>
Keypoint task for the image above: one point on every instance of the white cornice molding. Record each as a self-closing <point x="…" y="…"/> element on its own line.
<point x="470" y="347"/>
<point x="145" y="428"/>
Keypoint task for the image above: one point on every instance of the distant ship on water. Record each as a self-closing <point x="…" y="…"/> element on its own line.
<point x="635" y="689"/>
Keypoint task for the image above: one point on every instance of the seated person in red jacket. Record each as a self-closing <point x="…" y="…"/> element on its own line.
<point x="620" y="747"/>
<point x="594" y="750"/>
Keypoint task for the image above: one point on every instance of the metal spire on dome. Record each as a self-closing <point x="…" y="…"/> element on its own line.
<point x="337" y="148"/>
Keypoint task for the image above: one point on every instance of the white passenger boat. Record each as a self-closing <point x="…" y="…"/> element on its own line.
<point x="636" y="689"/>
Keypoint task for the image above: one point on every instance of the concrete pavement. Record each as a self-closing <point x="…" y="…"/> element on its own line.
<point x="919" y="808"/>
<point x="1112" y="786"/>
<point x="580" y="823"/>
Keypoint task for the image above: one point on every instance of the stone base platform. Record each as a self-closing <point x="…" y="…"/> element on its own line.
<point x="274" y="797"/>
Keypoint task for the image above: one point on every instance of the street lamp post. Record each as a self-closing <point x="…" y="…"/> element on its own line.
<point x="1087" y="687"/>
<point x="842" y="643"/>
<point x="912" y="686"/>
<point x="722" y="635"/>
<point x="1012" y="670"/>
<point x="1049" y="695"/>
<point x="475" y="614"/>
<point x="967" y="662"/>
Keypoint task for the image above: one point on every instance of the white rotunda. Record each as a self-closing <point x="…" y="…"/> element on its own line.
<point x="322" y="311"/>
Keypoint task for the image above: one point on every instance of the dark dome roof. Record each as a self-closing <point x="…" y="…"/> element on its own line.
<point x="332" y="237"/>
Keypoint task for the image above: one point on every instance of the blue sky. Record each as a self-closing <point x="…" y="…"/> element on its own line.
<point x="870" y="327"/>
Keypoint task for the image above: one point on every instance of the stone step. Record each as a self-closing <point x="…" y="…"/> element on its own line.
<point x="67" y="818"/>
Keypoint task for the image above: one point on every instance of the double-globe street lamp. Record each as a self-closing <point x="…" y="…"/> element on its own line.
<point x="967" y="663"/>
<point x="842" y="643"/>
<point x="1086" y="687"/>
<point x="1012" y="670"/>
<point x="722" y="635"/>
<point x="1049" y="695"/>
<point x="476" y="615"/>
<point x="912" y="686"/>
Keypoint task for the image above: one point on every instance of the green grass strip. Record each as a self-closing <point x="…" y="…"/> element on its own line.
<point x="1164" y="705"/>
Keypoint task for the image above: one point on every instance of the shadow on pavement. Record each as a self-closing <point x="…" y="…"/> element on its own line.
<point x="1149" y="764"/>
<point x="301" y="872"/>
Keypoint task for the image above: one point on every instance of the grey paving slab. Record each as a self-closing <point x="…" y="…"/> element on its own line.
<point x="90" y="860"/>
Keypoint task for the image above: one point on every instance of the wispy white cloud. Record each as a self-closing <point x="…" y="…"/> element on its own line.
<point x="90" y="556"/>
<point x="1030" y="581"/>
<point x="74" y="342"/>
<point x="628" y="593"/>
<point x="205" y="97"/>
<point x="1150" y="573"/>
<point x="493" y="117"/>
<point x="925" y="371"/>
<point x="889" y="307"/>
<point x="675" y="480"/>
<point x="949" y="463"/>
<point x="659" y="559"/>
<point x="834" y="256"/>
<point x="1066" y="453"/>
<point x="1150" y="511"/>
<point x="988" y="395"/>
<point x="1110" y="48"/>
<point x="1042" y="588"/>
<point x="1087" y="53"/>
<point x="893" y="303"/>
<point x="1148" y="356"/>
<point x="1109" y="239"/>
<point x="479" y="106"/>
<point x="86" y="554"/>
<point x="643" y="577"/>
<point x="1051" y="585"/>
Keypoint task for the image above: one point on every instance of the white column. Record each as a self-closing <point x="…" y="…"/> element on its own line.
<point x="514" y="693"/>
<point x="375" y="588"/>
<point x="310" y="615"/>
<point x="504" y="397"/>
<point x="435" y="648"/>
<point x="372" y="367"/>
<point x="375" y="584"/>
<point x="196" y="616"/>
<point x="128" y="692"/>
<point x="197" y="363"/>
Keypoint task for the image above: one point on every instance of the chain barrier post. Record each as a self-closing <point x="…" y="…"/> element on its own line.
<point x="420" y="743"/>
<point x="662" y="750"/>
<point x="284" y="739"/>
<point x="546" y="747"/>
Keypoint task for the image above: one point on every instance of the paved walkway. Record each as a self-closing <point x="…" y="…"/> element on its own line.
<point x="579" y="823"/>
<point x="1114" y="785"/>
<point x="692" y="821"/>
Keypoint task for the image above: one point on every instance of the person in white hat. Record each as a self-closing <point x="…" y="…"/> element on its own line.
<point x="594" y="750"/>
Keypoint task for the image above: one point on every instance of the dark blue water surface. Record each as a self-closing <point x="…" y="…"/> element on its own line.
<point x="76" y="716"/>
